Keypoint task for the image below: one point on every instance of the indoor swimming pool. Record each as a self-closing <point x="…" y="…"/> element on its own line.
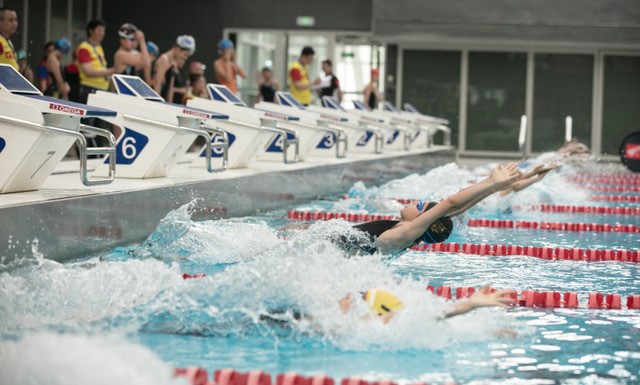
<point x="269" y="296"/>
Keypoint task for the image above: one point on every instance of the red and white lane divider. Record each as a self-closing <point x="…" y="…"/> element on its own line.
<point x="556" y="226"/>
<point x="199" y="376"/>
<point x="549" y="299"/>
<point x="613" y="188"/>
<point x="605" y="180"/>
<point x="608" y="175"/>
<point x="588" y="209"/>
<point x="325" y="216"/>
<point x="545" y="252"/>
<point x="616" y="198"/>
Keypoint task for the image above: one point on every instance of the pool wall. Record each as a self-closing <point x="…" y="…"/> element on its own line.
<point x="63" y="226"/>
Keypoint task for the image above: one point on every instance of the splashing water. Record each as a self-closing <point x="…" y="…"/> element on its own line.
<point x="48" y="358"/>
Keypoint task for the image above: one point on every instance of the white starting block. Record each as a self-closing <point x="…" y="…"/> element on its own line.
<point x="423" y="129"/>
<point x="318" y="136"/>
<point x="156" y="134"/>
<point x="250" y="132"/>
<point x="37" y="131"/>
<point x="439" y="124"/>
<point x="397" y="131"/>
<point x="362" y="135"/>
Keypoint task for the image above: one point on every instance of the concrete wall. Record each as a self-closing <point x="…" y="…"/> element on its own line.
<point x="594" y="22"/>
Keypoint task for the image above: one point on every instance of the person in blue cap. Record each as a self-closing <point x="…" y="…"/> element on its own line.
<point x="225" y="67"/>
<point x="57" y="85"/>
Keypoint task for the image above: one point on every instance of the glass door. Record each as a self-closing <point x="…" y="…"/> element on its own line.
<point x="495" y="100"/>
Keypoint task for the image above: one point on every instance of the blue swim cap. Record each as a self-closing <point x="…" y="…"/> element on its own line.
<point x="153" y="49"/>
<point x="63" y="45"/>
<point x="224" y="44"/>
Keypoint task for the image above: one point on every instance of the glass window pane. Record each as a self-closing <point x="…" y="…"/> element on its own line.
<point x="431" y="82"/>
<point x="621" y="100"/>
<point x="496" y="100"/>
<point x="563" y="86"/>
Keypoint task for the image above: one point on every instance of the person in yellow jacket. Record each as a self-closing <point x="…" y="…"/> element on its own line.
<point x="8" y="26"/>
<point x="299" y="84"/>
<point x="94" y="73"/>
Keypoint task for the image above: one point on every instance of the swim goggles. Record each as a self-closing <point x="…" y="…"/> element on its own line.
<point x="420" y="205"/>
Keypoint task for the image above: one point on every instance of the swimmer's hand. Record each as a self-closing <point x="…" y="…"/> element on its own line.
<point x="482" y="298"/>
<point x="345" y="303"/>
<point x="505" y="174"/>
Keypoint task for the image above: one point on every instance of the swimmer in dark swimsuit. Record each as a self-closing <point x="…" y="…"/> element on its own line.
<point x="431" y="222"/>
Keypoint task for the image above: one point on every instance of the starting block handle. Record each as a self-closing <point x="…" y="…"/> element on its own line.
<point x="341" y="138"/>
<point x="286" y="142"/>
<point x="107" y="151"/>
<point x="447" y="134"/>
<point x="199" y="132"/>
<point x="224" y="146"/>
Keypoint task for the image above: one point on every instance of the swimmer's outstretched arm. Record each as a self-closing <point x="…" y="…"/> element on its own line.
<point x="401" y="237"/>
<point x="482" y="298"/>
<point x="533" y="176"/>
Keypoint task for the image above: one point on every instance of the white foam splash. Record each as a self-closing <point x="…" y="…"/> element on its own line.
<point x="47" y="358"/>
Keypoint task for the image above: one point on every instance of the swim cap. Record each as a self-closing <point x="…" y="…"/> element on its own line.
<point x="224" y="44"/>
<point x="186" y="42"/>
<point x="196" y="67"/>
<point x="127" y="31"/>
<point x="375" y="72"/>
<point x="22" y="54"/>
<point x="63" y="45"/>
<point x="153" y="49"/>
<point x="439" y="230"/>
<point x="381" y="301"/>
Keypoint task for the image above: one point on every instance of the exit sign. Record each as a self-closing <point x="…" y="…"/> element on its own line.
<point x="305" y="21"/>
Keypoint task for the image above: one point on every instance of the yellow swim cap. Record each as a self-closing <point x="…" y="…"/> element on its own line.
<point x="381" y="301"/>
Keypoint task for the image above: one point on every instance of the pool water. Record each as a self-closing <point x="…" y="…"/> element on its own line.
<point x="129" y="317"/>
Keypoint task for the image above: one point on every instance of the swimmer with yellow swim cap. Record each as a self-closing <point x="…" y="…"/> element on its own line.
<point x="385" y="304"/>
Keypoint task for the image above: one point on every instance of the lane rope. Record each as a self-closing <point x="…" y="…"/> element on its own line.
<point x="554" y="226"/>
<point x="544" y="252"/>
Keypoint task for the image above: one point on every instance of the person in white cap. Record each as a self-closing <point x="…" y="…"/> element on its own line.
<point x="167" y="66"/>
<point x="128" y="60"/>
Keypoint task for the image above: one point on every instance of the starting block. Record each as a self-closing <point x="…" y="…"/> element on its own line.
<point x="251" y="132"/>
<point x="37" y="131"/>
<point x="156" y="134"/>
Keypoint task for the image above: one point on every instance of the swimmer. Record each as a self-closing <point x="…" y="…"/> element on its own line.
<point x="385" y="305"/>
<point x="431" y="222"/>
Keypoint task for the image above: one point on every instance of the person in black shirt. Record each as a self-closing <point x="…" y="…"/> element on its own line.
<point x="268" y="86"/>
<point x="333" y="88"/>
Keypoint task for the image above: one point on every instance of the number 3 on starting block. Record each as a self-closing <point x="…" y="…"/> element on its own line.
<point x="3" y="144"/>
<point x="130" y="146"/>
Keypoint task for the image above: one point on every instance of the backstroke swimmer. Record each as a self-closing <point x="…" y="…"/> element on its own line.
<point x="385" y="305"/>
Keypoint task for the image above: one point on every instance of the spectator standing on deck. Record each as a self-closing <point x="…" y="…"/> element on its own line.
<point x="332" y="88"/>
<point x="8" y="26"/>
<point x="371" y="94"/>
<point x="94" y="73"/>
<point x="167" y="81"/>
<point x="299" y="84"/>
<point x="226" y="68"/>
<point x="23" y="66"/>
<point x="57" y="85"/>
<point x="268" y="87"/>
<point x="128" y="60"/>
<point x="43" y="79"/>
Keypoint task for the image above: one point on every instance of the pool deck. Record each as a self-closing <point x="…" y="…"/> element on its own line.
<point x="65" y="220"/>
